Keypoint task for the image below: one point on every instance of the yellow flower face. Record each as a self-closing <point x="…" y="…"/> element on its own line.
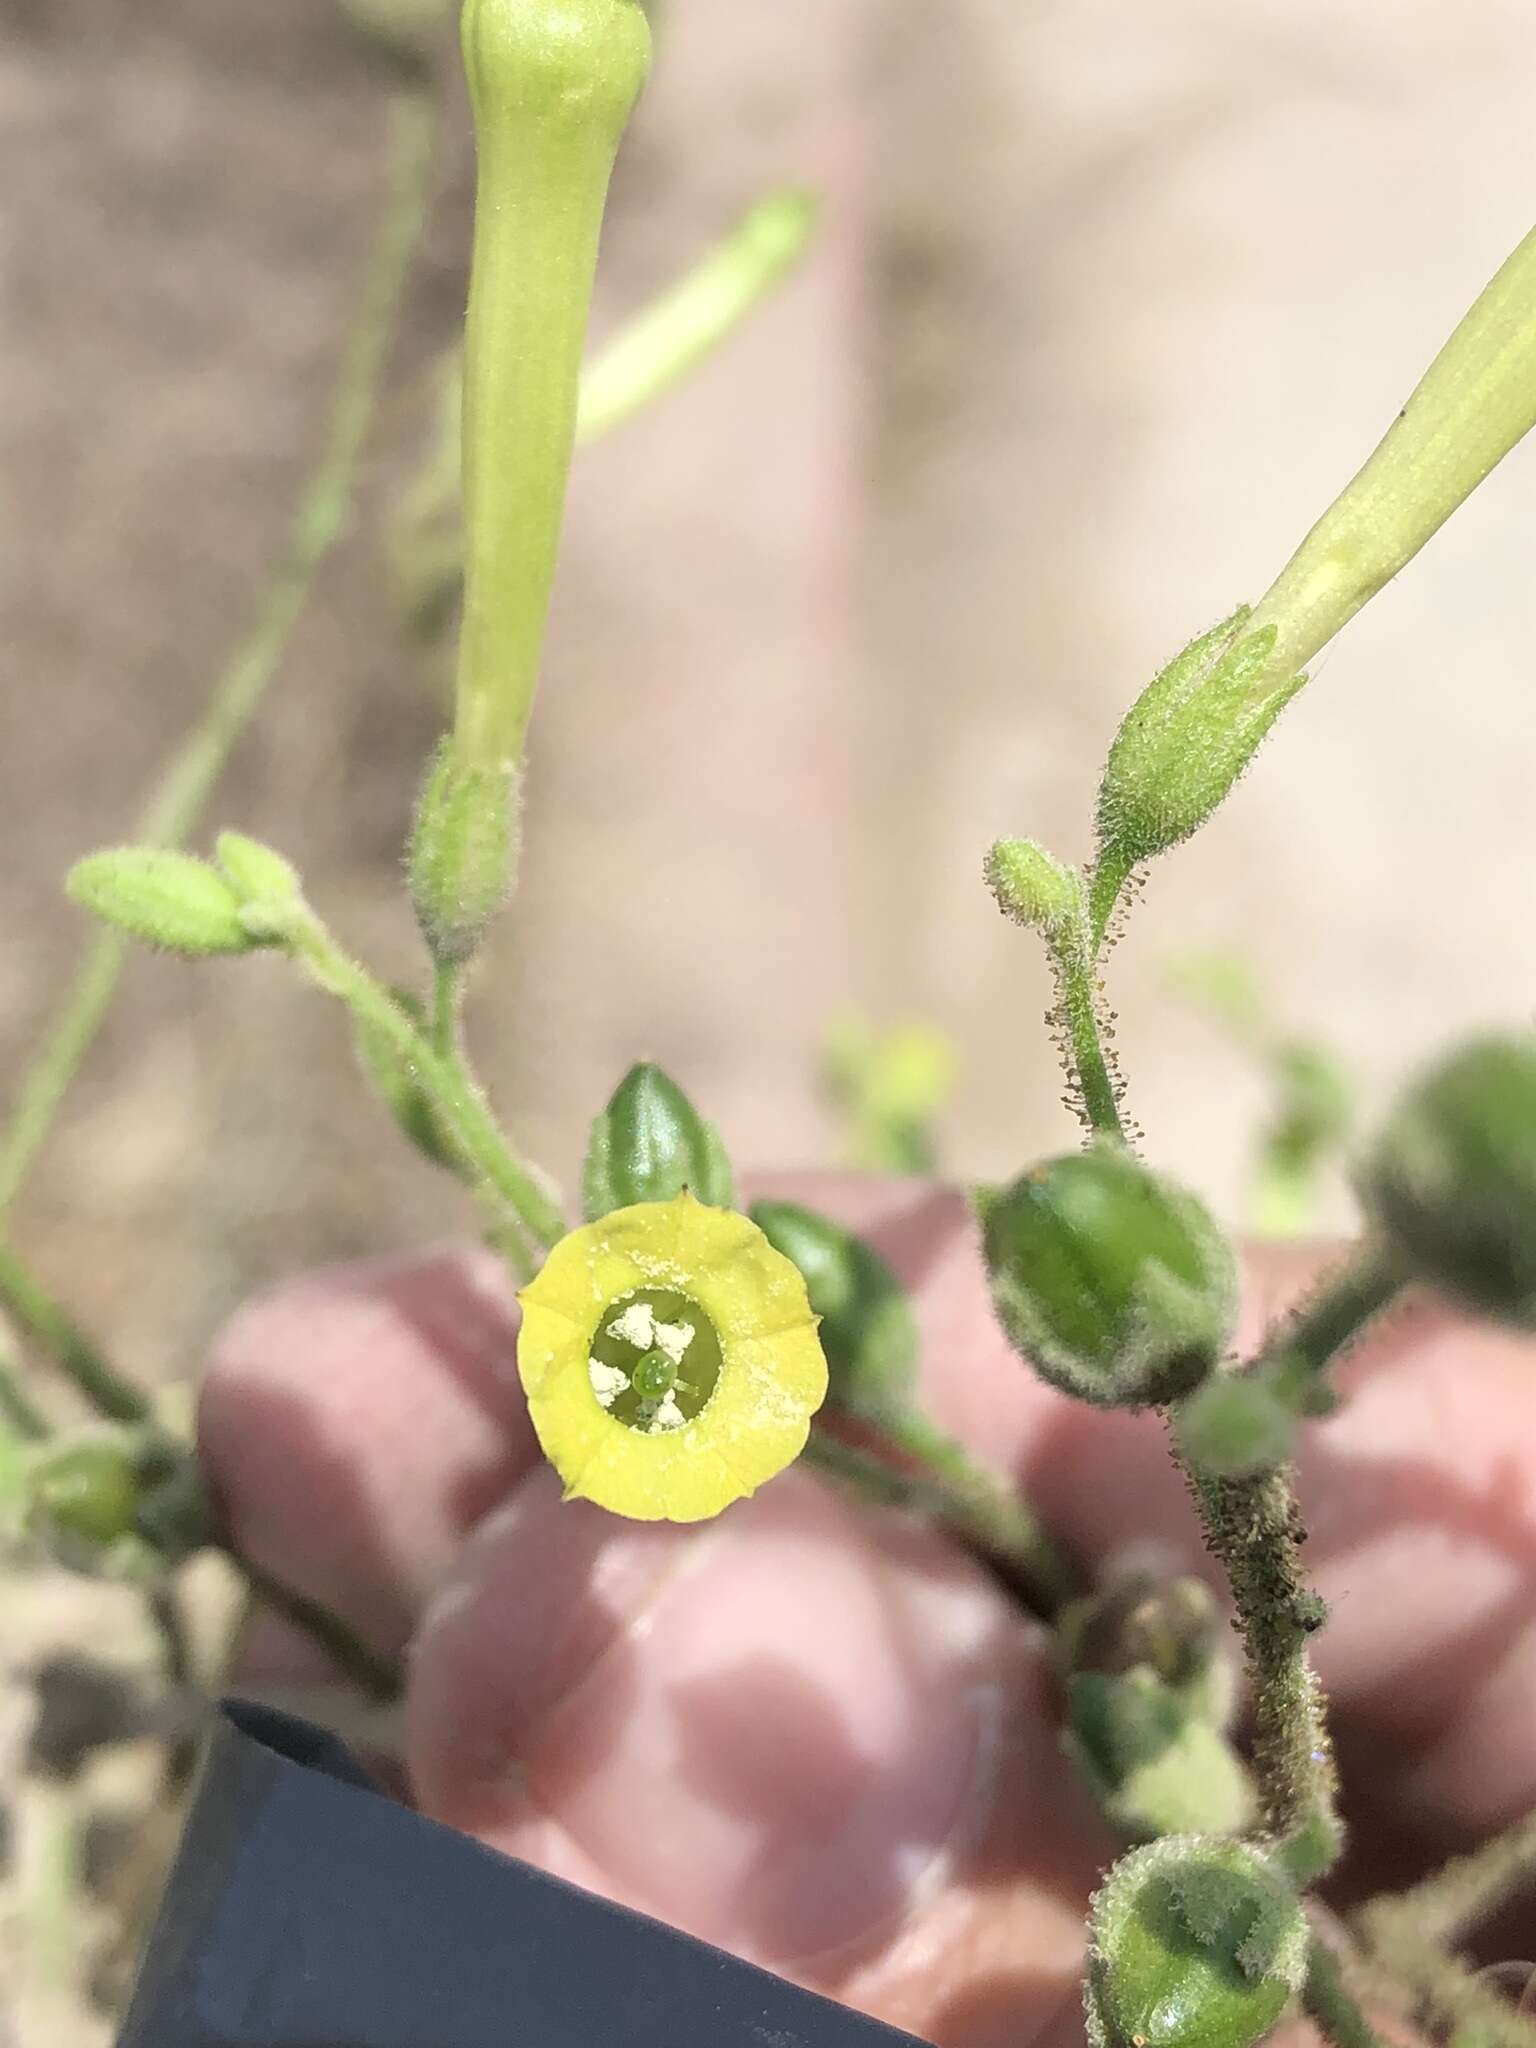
<point x="670" y="1359"/>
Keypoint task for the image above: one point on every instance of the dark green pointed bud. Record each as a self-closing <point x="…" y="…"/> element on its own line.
<point x="1112" y="1281"/>
<point x="1193" y="1943"/>
<point x="166" y="899"/>
<point x="1451" y="1181"/>
<point x="1171" y="1627"/>
<point x="1154" y="1763"/>
<point x="395" y="1083"/>
<point x="463" y="852"/>
<point x="648" y="1145"/>
<point x="266" y="886"/>
<point x="1034" y="888"/>
<point x="1187" y="739"/>
<point x="868" y="1330"/>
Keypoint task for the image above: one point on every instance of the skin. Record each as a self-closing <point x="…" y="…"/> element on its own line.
<point x="823" y="1738"/>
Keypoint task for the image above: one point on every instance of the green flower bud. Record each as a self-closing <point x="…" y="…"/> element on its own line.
<point x="1112" y="1281"/>
<point x="1156" y="1764"/>
<point x="868" y="1330"/>
<point x="1239" y="1423"/>
<point x="463" y="852"/>
<point x="84" y="1498"/>
<point x="649" y="1145"/>
<point x="166" y="899"/>
<point x="1035" y="888"/>
<point x="1187" y="739"/>
<point x="1193" y="1943"/>
<point x="117" y="1503"/>
<point x="267" y="887"/>
<point x="1452" y="1178"/>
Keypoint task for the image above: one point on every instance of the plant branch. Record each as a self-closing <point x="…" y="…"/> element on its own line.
<point x="76" y="1355"/>
<point x="1444" y="1909"/>
<point x="378" y="1676"/>
<point x="1330" y="2003"/>
<point x="180" y="796"/>
<point x="1078" y="1014"/>
<point x="17" y="1407"/>
<point x="455" y="1094"/>
<point x="1333" y="1319"/>
<point x="1443" y="1991"/>
<point x="994" y="1515"/>
<point x="1253" y="1525"/>
<point x="968" y="1503"/>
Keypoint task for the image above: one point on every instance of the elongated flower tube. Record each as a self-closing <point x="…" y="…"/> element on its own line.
<point x="552" y="84"/>
<point x="670" y="1359"/>
<point x="1476" y="400"/>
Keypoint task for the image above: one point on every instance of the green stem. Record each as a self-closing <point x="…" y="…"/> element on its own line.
<point x="76" y="1356"/>
<point x="452" y="1089"/>
<point x="995" y="1516"/>
<point x="447" y="1006"/>
<point x="1443" y="1910"/>
<point x="1328" y="2000"/>
<point x="1333" y="1320"/>
<point x="1444" y="1993"/>
<point x="179" y="798"/>
<point x="378" y="1676"/>
<point x="1097" y="1095"/>
<point x="1253" y="1526"/>
<point x="17" y="1408"/>
<point x="1014" y="1542"/>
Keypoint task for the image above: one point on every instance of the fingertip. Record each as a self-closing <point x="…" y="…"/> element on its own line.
<point x="356" y="1422"/>
<point x="773" y="1731"/>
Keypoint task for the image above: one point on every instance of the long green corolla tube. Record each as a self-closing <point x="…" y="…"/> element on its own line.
<point x="552" y="84"/>
<point x="1473" y="403"/>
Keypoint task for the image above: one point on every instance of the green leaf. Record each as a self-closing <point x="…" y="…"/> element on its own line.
<point x="167" y="899"/>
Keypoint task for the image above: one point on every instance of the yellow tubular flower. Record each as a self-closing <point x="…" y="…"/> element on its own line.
<point x="670" y="1359"/>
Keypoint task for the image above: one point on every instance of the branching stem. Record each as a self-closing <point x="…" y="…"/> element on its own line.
<point x="1253" y="1526"/>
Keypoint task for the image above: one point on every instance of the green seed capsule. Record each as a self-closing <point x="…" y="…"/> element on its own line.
<point x="1112" y="1281"/>
<point x="1194" y="1943"/>
<point x="1451" y="1181"/>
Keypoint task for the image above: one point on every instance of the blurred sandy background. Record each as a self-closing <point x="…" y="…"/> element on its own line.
<point x="1111" y="299"/>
